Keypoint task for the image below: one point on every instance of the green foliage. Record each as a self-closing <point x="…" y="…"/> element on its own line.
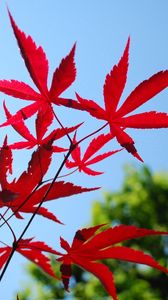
<point x="141" y="201"/>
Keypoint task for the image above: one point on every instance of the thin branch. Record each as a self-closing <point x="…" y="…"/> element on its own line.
<point x="5" y="212"/>
<point x="15" y="244"/>
<point x="7" y="263"/>
<point x="89" y="135"/>
<point x="4" y="244"/>
<point x="6" y="222"/>
<point x="47" y="192"/>
<point x="61" y="176"/>
<point x="59" y="122"/>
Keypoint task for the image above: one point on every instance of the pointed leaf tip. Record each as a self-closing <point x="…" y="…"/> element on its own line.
<point x="64" y="75"/>
<point x="34" y="57"/>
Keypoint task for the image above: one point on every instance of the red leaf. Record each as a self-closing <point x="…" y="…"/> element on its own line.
<point x="18" y="215"/>
<point x="125" y="141"/>
<point x="76" y="153"/>
<point x="66" y="189"/>
<point x="19" y="126"/>
<point x="17" y="194"/>
<point x="113" y="88"/>
<point x="22" y="145"/>
<point x="36" y="256"/>
<point x="60" y="132"/>
<point x="115" y="82"/>
<point x="146" y="120"/>
<point x="37" y="65"/>
<point x="118" y="234"/>
<point x="82" y="235"/>
<point x="144" y="92"/>
<point x="66" y="273"/>
<point x="70" y="164"/>
<point x="131" y="255"/>
<point x="96" y="144"/>
<point x="7" y="196"/>
<point x="102" y="272"/>
<point x="18" y="89"/>
<point x="70" y="103"/>
<point x="91" y="107"/>
<point x="58" y="149"/>
<point x="64" y="75"/>
<point x="37" y="245"/>
<point x="42" y="211"/>
<point x="43" y="121"/>
<point x="102" y="156"/>
<point x="4" y="255"/>
<point x="64" y="244"/>
<point x="37" y="168"/>
<point x="89" y="171"/>
<point x="23" y="114"/>
<point x="88" y="247"/>
<point x="34" y="58"/>
<point x="59" y="190"/>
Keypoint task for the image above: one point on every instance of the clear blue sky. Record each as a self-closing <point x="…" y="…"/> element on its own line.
<point x="101" y="29"/>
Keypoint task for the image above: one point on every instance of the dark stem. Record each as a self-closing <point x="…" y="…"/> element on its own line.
<point x="47" y="192"/>
<point x="59" y="122"/>
<point x="7" y="263"/>
<point x="65" y="175"/>
<point x="1" y="216"/>
<point x="15" y="244"/>
<point x="94" y="132"/>
<point x="6" y="222"/>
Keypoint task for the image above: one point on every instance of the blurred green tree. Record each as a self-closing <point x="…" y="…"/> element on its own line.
<point x="141" y="201"/>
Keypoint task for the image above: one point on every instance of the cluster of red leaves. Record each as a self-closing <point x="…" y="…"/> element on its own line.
<point x="28" y="193"/>
<point x="87" y="248"/>
<point x="24" y="194"/>
<point x="95" y="145"/>
<point x="33" y="251"/>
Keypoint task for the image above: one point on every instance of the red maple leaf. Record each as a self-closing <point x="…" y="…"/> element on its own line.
<point x="17" y="191"/>
<point x="37" y="66"/>
<point x="59" y="189"/>
<point x="117" y="117"/>
<point x="32" y="250"/>
<point x="43" y="120"/>
<point x="87" y="248"/>
<point x="20" y="196"/>
<point x="95" y="145"/>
